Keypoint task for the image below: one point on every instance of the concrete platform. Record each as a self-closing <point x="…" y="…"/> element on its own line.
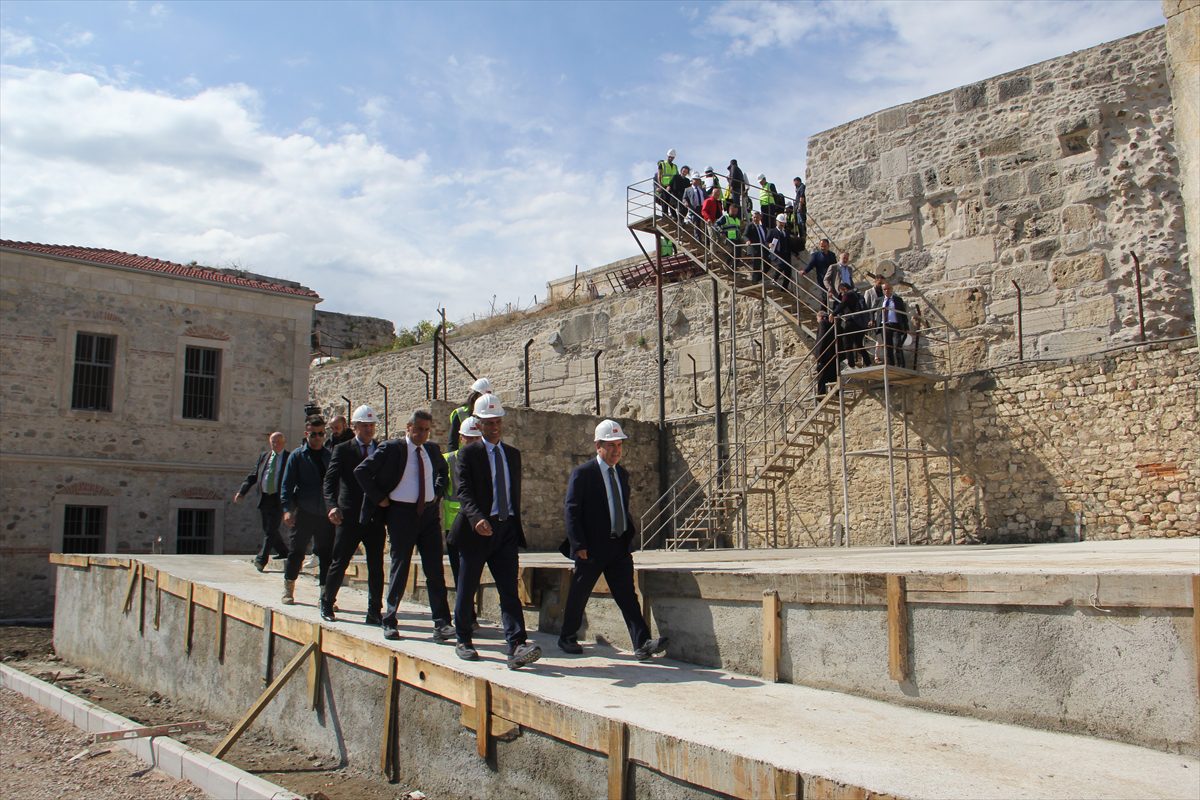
<point x="673" y="728"/>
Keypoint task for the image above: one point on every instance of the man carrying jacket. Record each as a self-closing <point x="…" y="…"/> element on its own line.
<point x="600" y="533"/>
<point x="304" y="511"/>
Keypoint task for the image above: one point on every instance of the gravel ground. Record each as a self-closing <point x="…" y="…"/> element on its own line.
<point x="36" y="752"/>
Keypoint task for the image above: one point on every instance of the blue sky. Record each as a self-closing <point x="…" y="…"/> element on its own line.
<point x="397" y="157"/>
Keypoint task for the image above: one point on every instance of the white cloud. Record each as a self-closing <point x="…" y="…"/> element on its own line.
<point x="79" y="38"/>
<point x="16" y="45"/>
<point x="199" y="178"/>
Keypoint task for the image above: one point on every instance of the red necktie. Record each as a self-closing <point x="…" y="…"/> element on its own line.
<point x="420" y="483"/>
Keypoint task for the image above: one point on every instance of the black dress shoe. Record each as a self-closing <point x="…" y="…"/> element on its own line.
<point x="327" y="614"/>
<point x="374" y="618"/>
<point x="650" y="647"/>
<point x="389" y="632"/>
<point x="570" y="646"/>
<point x="466" y="652"/>
<point x="260" y="565"/>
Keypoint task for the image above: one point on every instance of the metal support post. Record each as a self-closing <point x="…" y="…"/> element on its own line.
<point x="719" y="422"/>
<point x="596" y="375"/>
<point x="887" y="406"/>
<point x="845" y="466"/>
<point x="385" y="408"/>
<point x="663" y="476"/>
<point x="527" y="346"/>
<point x="950" y="465"/>
<point x="907" y="481"/>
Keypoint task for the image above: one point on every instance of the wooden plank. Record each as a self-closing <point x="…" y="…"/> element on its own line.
<point x="618" y="760"/>
<point x="411" y="589"/>
<point x="897" y="627"/>
<point x="771" y="635"/>
<point x="268" y="628"/>
<point x="588" y="731"/>
<point x="787" y="785"/>
<point x="292" y="628"/>
<point x="1196" y="627"/>
<point x="157" y="605"/>
<point x="525" y="586"/>
<point x="314" y="669"/>
<point x="498" y="727"/>
<point x="243" y="611"/>
<point x="205" y="596"/>
<point x="386" y="762"/>
<point x="56" y="559"/>
<point x="639" y="584"/>
<point x="483" y="709"/>
<point x="435" y="679"/>
<point x="818" y="788"/>
<point x="145" y="731"/>
<point x="266" y="697"/>
<point x="189" y="619"/>
<point x="142" y="600"/>
<point x="109" y="561"/>
<point x="135" y="569"/>
<point x="369" y="655"/>
<point x="72" y="560"/>
<point x="1081" y="590"/>
<point x="220" y="627"/>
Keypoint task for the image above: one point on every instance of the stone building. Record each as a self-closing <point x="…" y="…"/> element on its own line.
<point x="135" y="394"/>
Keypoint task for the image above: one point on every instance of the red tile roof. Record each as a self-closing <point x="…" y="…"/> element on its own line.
<point x="115" y="258"/>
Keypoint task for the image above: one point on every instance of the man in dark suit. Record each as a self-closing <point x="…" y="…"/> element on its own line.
<point x="403" y="480"/>
<point x="600" y="533"/>
<point x="892" y="317"/>
<point x="267" y="475"/>
<point x="489" y="531"/>
<point x="344" y="497"/>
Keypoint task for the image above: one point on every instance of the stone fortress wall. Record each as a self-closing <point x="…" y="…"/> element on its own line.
<point x="1048" y="176"/>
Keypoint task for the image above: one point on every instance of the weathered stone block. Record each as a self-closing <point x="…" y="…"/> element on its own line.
<point x="1005" y="144"/>
<point x="1008" y="307"/>
<point x="969" y="97"/>
<point x="890" y="237"/>
<point x="1036" y="321"/>
<point x="962" y="308"/>
<point x="1071" y="272"/>
<point x="964" y="170"/>
<point x="1096" y="312"/>
<point x="1071" y="343"/>
<point x="1014" y="87"/>
<point x="891" y="119"/>
<point x="894" y="163"/>
<point x="1003" y="188"/>
<point x="1078" y="217"/>
<point x="1041" y="250"/>
<point x="1032" y="278"/>
<point x="862" y="176"/>
<point x="909" y="186"/>
<point x="967" y="252"/>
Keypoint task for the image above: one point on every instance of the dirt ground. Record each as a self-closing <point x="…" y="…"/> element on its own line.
<point x="31" y="650"/>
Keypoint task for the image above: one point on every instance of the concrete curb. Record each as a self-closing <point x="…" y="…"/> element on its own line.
<point x="216" y="778"/>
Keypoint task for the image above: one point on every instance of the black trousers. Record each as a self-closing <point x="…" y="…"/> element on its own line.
<point x="406" y="530"/>
<point x="500" y="556"/>
<point x="350" y="534"/>
<point x="315" y="528"/>
<point x="272" y="515"/>
<point x="894" y="344"/>
<point x="619" y="575"/>
<point x="853" y="349"/>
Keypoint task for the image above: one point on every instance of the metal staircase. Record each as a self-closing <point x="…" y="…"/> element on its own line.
<point x="769" y="442"/>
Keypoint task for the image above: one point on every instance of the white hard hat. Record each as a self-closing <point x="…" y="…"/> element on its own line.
<point x="364" y="414"/>
<point x="470" y="427"/>
<point x="761" y="177"/>
<point x="708" y="169"/>
<point x="488" y="407"/>
<point x="671" y="153"/>
<point x="609" y="431"/>
<point x="483" y="386"/>
<point x="781" y="217"/>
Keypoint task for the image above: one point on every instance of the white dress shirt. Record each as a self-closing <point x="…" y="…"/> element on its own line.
<point x="406" y="489"/>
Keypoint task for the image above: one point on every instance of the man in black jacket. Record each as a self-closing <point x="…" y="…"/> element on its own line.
<point x="489" y="531"/>
<point x="404" y="480"/>
<point x="600" y="533"/>
<point x="267" y="476"/>
<point x="304" y="510"/>
<point x="344" y="497"/>
<point x="892" y="317"/>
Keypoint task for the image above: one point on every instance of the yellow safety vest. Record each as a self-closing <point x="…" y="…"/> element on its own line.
<point x="669" y="170"/>
<point x="733" y="227"/>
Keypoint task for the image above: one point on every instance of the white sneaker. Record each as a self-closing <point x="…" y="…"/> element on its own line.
<point x="311" y="563"/>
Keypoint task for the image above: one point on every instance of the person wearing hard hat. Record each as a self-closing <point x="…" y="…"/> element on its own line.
<point x="711" y="181"/>
<point x="600" y="533"/>
<point x="693" y="199"/>
<point x="467" y="434"/>
<point x="404" y="480"/>
<point x="267" y="476"/>
<point x="767" y="198"/>
<point x="665" y="176"/>
<point x="489" y="531"/>
<point x="344" y="497"/>
<point x="779" y="247"/>
<point x="479" y="388"/>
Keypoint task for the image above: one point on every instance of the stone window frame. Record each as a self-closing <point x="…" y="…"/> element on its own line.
<point x="224" y="381"/>
<point x="58" y="518"/>
<point x="66" y="380"/>
<point x="170" y="543"/>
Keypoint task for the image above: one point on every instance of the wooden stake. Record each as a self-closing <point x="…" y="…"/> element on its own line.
<point x="771" y="635"/>
<point x="897" y="626"/>
<point x="134" y="570"/>
<point x="261" y="703"/>
<point x="787" y="785"/>
<point x="142" y="598"/>
<point x="268" y="641"/>
<point x="1196" y="626"/>
<point x="483" y="709"/>
<point x="221" y="627"/>
<point x="618" y="753"/>
<point x="386" y="765"/>
<point x="157" y="602"/>
<point x="314" y="669"/>
<point x="189" y="620"/>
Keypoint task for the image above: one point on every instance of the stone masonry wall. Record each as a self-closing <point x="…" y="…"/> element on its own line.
<point x="1111" y="436"/>
<point x="1049" y="176"/>
<point x="337" y="334"/>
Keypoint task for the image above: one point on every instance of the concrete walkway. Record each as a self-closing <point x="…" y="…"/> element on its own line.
<point x="881" y="747"/>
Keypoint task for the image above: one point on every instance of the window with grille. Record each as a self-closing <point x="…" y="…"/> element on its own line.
<point x="95" y="357"/>
<point x="83" y="529"/>
<point x="201" y="371"/>
<point x="194" y="535"/>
